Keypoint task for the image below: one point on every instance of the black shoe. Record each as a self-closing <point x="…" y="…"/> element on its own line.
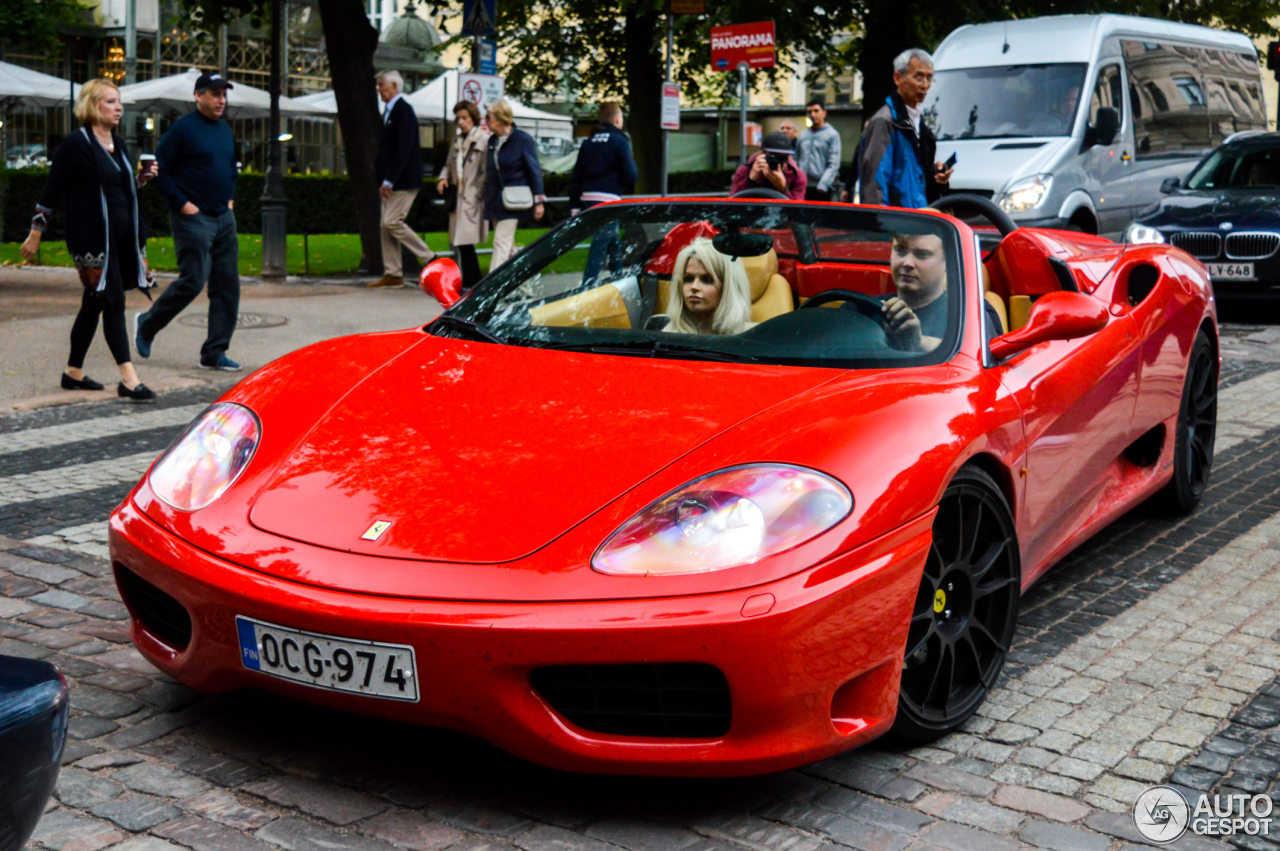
<point x="86" y="383"/>
<point x="141" y="393"/>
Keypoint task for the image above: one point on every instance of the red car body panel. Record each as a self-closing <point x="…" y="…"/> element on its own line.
<point x="491" y="578"/>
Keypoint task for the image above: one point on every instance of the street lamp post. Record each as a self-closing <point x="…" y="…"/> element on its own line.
<point x="274" y="201"/>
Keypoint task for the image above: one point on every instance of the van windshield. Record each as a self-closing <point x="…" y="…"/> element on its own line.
<point x="1002" y="103"/>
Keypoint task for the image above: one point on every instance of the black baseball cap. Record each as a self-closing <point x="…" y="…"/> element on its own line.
<point x="777" y="142"/>
<point x="213" y="80"/>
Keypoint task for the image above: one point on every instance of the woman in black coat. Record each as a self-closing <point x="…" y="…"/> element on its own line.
<point x="512" y="162"/>
<point x="92" y="179"/>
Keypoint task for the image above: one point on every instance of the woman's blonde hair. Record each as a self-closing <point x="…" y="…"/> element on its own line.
<point x="88" y="109"/>
<point x="733" y="314"/>
<point x="500" y="111"/>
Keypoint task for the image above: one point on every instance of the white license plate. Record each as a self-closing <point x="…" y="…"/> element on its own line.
<point x="1231" y="271"/>
<point x="329" y="661"/>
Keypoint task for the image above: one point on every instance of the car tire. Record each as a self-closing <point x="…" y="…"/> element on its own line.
<point x="965" y="612"/>
<point x="1195" y="434"/>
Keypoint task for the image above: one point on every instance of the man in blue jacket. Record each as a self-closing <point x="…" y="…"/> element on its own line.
<point x="605" y="171"/>
<point x="896" y="167"/>
<point x="398" y="170"/>
<point x="197" y="177"/>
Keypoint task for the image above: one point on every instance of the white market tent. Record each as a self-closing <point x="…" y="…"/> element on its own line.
<point x="435" y="100"/>
<point x="324" y="103"/>
<point x="23" y="87"/>
<point x="176" y="93"/>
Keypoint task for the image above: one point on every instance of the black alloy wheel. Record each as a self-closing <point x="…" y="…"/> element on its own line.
<point x="965" y="611"/>
<point x="1197" y="428"/>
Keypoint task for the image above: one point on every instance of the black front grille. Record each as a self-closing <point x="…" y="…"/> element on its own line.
<point x="682" y="700"/>
<point x="1201" y="245"/>
<point x="163" y="616"/>
<point x="1252" y="245"/>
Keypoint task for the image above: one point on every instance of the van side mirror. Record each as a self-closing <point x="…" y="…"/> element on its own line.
<point x="1170" y="184"/>
<point x="1055" y="316"/>
<point x="1107" y="124"/>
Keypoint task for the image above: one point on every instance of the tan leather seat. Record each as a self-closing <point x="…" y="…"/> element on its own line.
<point x="770" y="292"/>
<point x="994" y="300"/>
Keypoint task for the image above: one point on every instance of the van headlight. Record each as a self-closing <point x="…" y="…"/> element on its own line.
<point x="1137" y="233"/>
<point x="1026" y="194"/>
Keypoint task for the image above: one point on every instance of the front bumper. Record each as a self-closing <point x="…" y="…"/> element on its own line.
<point x="815" y="674"/>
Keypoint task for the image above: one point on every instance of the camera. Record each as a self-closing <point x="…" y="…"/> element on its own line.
<point x="774" y="160"/>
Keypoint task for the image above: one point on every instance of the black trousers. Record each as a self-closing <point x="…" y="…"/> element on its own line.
<point x="207" y="250"/>
<point x="110" y="305"/>
<point x="813" y="193"/>
<point x="468" y="265"/>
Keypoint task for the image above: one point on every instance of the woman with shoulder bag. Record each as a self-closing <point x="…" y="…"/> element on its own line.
<point x="92" y="179"/>
<point x="464" y="181"/>
<point x="514" y="183"/>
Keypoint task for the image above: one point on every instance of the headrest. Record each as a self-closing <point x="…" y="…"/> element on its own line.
<point x="759" y="270"/>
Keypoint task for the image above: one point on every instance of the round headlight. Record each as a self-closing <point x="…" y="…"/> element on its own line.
<point x="725" y="519"/>
<point x="208" y="457"/>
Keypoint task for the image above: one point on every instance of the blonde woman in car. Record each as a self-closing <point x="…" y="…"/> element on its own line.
<point x="715" y="297"/>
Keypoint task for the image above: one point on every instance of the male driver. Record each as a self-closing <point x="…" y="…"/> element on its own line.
<point x="197" y="176"/>
<point x="916" y="319"/>
<point x="819" y="153"/>
<point x="398" y="170"/>
<point x="897" y="167"/>
<point x="605" y="171"/>
<point x="771" y="168"/>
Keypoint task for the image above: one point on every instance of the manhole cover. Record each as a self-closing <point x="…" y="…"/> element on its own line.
<point x="245" y="321"/>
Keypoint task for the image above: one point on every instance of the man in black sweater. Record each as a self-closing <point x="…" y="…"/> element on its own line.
<point x="197" y="176"/>
<point x="398" y="170"/>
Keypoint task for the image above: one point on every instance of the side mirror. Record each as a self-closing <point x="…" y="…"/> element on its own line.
<point x="1107" y="124"/>
<point x="441" y="280"/>
<point x="1170" y="184"/>
<point x="1055" y="316"/>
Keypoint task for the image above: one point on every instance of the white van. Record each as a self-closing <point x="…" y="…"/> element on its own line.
<point x="1074" y="121"/>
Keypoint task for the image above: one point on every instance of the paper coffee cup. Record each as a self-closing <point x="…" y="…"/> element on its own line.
<point x="147" y="162"/>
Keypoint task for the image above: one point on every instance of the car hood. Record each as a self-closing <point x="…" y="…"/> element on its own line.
<point x="483" y="453"/>
<point x="992" y="164"/>
<point x="1242" y="208"/>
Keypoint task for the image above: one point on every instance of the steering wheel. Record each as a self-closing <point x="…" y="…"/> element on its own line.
<point x="761" y="192"/>
<point x="985" y="207"/>
<point x="866" y="305"/>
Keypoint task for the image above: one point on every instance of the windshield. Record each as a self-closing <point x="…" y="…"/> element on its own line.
<point x="1238" y="167"/>
<point x="723" y="282"/>
<point x="1002" y="103"/>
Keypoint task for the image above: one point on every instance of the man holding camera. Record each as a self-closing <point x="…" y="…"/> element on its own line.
<point x="772" y="168"/>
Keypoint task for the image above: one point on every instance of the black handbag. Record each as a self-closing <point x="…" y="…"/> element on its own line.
<point x="450" y="198"/>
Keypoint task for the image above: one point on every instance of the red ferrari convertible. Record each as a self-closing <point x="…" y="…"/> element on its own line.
<point x="696" y="487"/>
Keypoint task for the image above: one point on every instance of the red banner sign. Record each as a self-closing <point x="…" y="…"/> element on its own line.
<point x="750" y="43"/>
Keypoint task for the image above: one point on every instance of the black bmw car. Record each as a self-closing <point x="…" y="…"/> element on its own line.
<point x="1227" y="215"/>
<point x="33" y="729"/>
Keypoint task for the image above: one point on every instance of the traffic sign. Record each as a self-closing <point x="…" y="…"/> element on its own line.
<point x="482" y="90"/>
<point x="488" y="56"/>
<point x="670" y="106"/>
<point x="478" y="16"/>
<point x="688" y="7"/>
<point x="752" y="44"/>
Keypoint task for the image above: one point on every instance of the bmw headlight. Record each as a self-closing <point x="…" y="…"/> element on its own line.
<point x="208" y="457"/>
<point x="1137" y="233"/>
<point x="732" y="517"/>
<point x="1026" y="194"/>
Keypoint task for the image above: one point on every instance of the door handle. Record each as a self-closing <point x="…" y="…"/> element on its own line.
<point x="1124" y="156"/>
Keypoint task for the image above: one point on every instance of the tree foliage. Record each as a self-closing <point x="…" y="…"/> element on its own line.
<point x="34" y="24"/>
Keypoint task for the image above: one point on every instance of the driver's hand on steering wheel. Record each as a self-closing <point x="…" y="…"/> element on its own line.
<point x="901" y="325"/>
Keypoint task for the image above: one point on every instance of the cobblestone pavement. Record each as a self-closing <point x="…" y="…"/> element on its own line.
<point x="1151" y="655"/>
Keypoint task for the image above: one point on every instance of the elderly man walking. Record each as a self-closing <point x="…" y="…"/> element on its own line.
<point x="897" y="167"/>
<point x="398" y="170"/>
<point x="819" y="153"/>
<point x="197" y="177"/>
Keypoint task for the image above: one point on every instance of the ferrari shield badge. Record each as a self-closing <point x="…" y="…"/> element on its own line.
<point x="375" y="531"/>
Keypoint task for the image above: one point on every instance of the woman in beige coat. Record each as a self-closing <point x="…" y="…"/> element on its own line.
<point x="465" y="171"/>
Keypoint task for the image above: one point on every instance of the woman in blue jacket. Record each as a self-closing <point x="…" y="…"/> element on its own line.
<point x="513" y="162"/>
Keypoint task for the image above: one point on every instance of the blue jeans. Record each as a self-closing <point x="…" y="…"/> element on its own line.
<point x="605" y="244"/>
<point x="207" y="250"/>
